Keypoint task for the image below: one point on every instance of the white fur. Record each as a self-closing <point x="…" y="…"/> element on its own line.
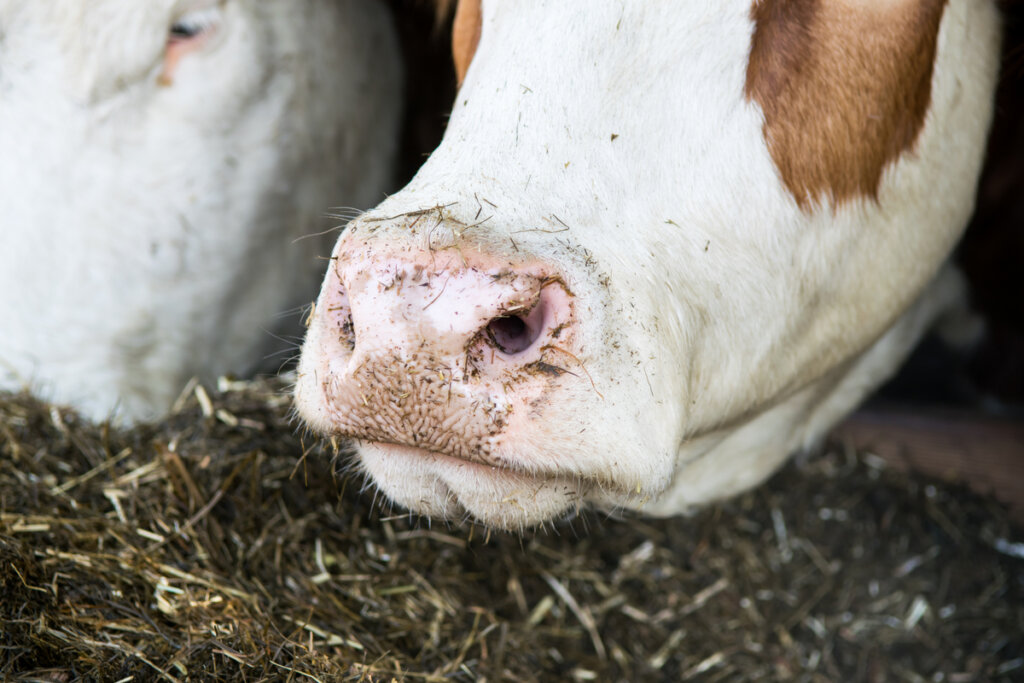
<point x="734" y="328"/>
<point x="149" y="230"/>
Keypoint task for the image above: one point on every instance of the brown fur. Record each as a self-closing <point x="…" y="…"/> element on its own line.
<point x="465" y="35"/>
<point x="844" y="86"/>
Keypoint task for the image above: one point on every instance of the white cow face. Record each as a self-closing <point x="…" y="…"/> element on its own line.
<point x="661" y="246"/>
<point x="159" y="161"/>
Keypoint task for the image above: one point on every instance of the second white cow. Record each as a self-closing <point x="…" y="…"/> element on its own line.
<point x="662" y="246"/>
<point x="159" y="162"/>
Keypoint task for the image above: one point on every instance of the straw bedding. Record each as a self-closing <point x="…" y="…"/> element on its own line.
<point x="223" y="545"/>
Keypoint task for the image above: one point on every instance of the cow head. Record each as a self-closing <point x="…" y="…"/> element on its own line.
<point x="661" y="246"/>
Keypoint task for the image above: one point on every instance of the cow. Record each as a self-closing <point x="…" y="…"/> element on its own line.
<point x="661" y="247"/>
<point x="163" y="166"/>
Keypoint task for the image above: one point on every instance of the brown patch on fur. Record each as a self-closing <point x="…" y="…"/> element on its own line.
<point x="465" y="35"/>
<point x="844" y="85"/>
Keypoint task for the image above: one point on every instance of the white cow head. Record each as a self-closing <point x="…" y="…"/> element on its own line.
<point x="662" y="246"/>
<point x="158" y="161"/>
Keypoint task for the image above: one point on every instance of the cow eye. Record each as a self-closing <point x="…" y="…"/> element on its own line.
<point x="186" y="36"/>
<point x="194" y="24"/>
<point x="184" y="31"/>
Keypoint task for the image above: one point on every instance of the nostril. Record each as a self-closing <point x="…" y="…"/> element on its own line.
<point x="340" y="314"/>
<point x="510" y="334"/>
<point x="516" y="333"/>
<point x="348" y="332"/>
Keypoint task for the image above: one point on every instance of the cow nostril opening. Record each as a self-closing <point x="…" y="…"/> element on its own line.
<point x="511" y="334"/>
<point x="339" y="314"/>
<point x="348" y="332"/>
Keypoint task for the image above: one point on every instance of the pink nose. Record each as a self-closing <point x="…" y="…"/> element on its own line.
<point x="444" y="310"/>
<point x="438" y="349"/>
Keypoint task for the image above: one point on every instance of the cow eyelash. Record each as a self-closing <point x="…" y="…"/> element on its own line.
<point x="194" y="24"/>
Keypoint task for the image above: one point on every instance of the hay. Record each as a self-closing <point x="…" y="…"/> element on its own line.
<point x="218" y="546"/>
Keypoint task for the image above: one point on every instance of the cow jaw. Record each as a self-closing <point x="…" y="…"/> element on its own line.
<point x="444" y="487"/>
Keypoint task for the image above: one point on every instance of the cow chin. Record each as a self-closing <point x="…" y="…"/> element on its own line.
<point x="444" y="487"/>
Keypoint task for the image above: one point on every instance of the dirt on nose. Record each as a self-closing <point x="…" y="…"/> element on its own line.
<point x="424" y="402"/>
<point x="461" y="364"/>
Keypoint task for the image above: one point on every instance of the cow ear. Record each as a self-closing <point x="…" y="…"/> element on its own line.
<point x="188" y="34"/>
<point x="465" y="35"/>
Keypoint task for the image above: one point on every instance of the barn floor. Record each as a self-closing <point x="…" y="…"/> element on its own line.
<point x="207" y="548"/>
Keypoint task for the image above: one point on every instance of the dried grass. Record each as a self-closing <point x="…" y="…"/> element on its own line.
<point x="207" y="548"/>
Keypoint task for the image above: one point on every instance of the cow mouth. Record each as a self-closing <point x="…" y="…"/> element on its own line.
<point x="453" y="488"/>
<point x="401" y="449"/>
